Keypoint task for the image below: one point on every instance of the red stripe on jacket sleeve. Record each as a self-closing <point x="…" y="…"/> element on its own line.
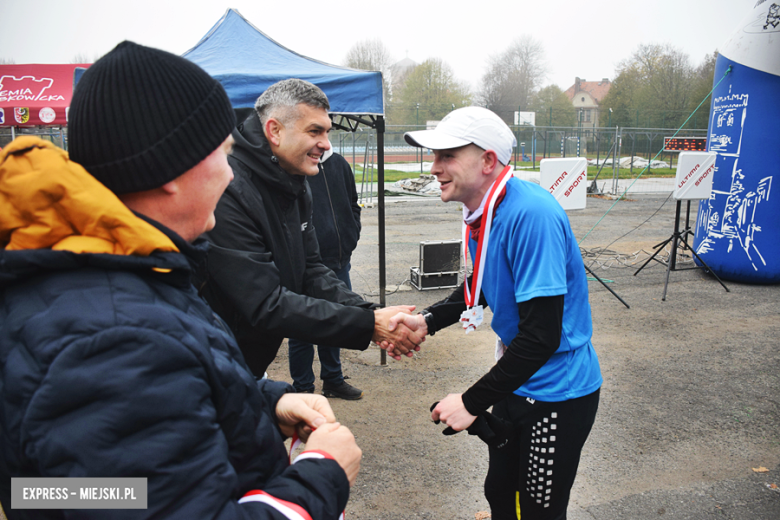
<point x="290" y="510"/>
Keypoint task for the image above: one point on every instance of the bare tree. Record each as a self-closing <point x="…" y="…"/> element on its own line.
<point x="7" y="61"/>
<point x="83" y="58"/>
<point x="368" y="55"/>
<point x="371" y="54"/>
<point x="430" y="92"/>
<point x="668" y="74"/>
<point x="653" y="88"/>
<point x="512" y="77"/>
<point x="701" y="85"/>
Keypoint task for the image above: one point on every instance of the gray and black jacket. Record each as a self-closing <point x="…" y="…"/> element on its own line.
<point x="265" y="275"/>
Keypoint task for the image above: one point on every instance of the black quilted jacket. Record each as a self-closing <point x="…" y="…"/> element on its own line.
<point x="113" y="366"/>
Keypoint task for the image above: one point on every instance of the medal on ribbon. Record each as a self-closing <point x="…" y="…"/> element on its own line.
<point x="472" y="317"/>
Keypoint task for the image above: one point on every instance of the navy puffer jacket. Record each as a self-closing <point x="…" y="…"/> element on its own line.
<point x="112" y="366"/>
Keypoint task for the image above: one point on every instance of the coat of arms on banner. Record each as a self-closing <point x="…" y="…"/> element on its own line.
<point x="21" y="114"/>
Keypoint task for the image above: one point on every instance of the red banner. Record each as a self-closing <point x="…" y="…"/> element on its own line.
<point x="33" y="95"/>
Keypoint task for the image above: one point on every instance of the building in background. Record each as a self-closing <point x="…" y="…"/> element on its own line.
<point x="586" y="96"/>
<point x="398" y="73"/>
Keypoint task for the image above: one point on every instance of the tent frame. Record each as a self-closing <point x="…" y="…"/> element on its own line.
<point x="350" y="123"/>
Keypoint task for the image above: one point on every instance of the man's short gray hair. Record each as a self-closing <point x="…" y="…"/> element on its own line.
<point x="281" y="99"/>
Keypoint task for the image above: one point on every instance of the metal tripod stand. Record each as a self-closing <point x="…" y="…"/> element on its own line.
<point x="607" y="286"/>
<point x="677" y="237"/>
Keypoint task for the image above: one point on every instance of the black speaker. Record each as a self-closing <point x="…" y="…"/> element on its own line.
<point x="439" y="265"/>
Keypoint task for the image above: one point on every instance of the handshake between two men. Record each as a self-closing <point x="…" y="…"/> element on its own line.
<point x="398" y="331"/>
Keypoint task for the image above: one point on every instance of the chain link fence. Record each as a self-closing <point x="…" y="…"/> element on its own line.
<point x="619" y="158"/>
<point x="56" y="134"/>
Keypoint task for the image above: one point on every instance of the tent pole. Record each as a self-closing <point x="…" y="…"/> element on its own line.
<point x="380" y="145"/>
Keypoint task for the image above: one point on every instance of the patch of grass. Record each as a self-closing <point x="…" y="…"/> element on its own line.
<point x="606" y="173"/>
<point x="390" y="175"/>
<point x="626" y="173"/>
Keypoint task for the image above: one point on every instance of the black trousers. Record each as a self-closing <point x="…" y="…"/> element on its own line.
<point x="532" y="476"/>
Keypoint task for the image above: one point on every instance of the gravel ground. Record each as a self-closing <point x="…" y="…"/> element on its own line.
<point x="689" y="404"/>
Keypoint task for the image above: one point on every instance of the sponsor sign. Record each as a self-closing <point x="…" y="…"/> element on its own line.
<point x="2" y="116"/>
<point x="36" y="94"/>
<point x="47" y="115"/>
<point x="566" y="179"/>
<point x="695" y="171"/>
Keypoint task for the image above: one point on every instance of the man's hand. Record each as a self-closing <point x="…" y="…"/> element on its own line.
<point x="451" y="412"/>
<point x="400" y="340"/>
<point x="338" y="442"/>
<point x="412" y="322"/>
<point x="303" y="413"/>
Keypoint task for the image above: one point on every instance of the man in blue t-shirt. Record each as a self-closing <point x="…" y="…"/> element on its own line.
<point x="544" y="387"/>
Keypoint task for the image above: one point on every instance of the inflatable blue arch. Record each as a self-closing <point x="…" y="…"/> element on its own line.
<point x="738" y="228"/>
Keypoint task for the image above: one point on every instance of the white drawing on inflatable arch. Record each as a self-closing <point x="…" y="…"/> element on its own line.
<point x="737" y="222"/>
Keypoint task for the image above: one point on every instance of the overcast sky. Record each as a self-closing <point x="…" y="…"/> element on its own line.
<point x="581" y="38"/>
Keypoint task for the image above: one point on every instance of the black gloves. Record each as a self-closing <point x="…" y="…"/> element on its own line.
<point x="495" y="432"/>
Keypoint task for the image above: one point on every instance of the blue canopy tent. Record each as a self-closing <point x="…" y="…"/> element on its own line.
<point x="246" y="61"/>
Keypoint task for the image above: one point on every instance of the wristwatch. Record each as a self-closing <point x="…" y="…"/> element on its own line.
<point x="429" y="322"/>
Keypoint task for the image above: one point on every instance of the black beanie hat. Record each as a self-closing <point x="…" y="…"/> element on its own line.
<point x="141" y="117"/>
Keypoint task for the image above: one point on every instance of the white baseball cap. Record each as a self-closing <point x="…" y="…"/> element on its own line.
<point x="464" y="126"/>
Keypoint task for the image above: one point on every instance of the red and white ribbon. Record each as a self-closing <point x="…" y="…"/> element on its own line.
<point x="472" y="296"/>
